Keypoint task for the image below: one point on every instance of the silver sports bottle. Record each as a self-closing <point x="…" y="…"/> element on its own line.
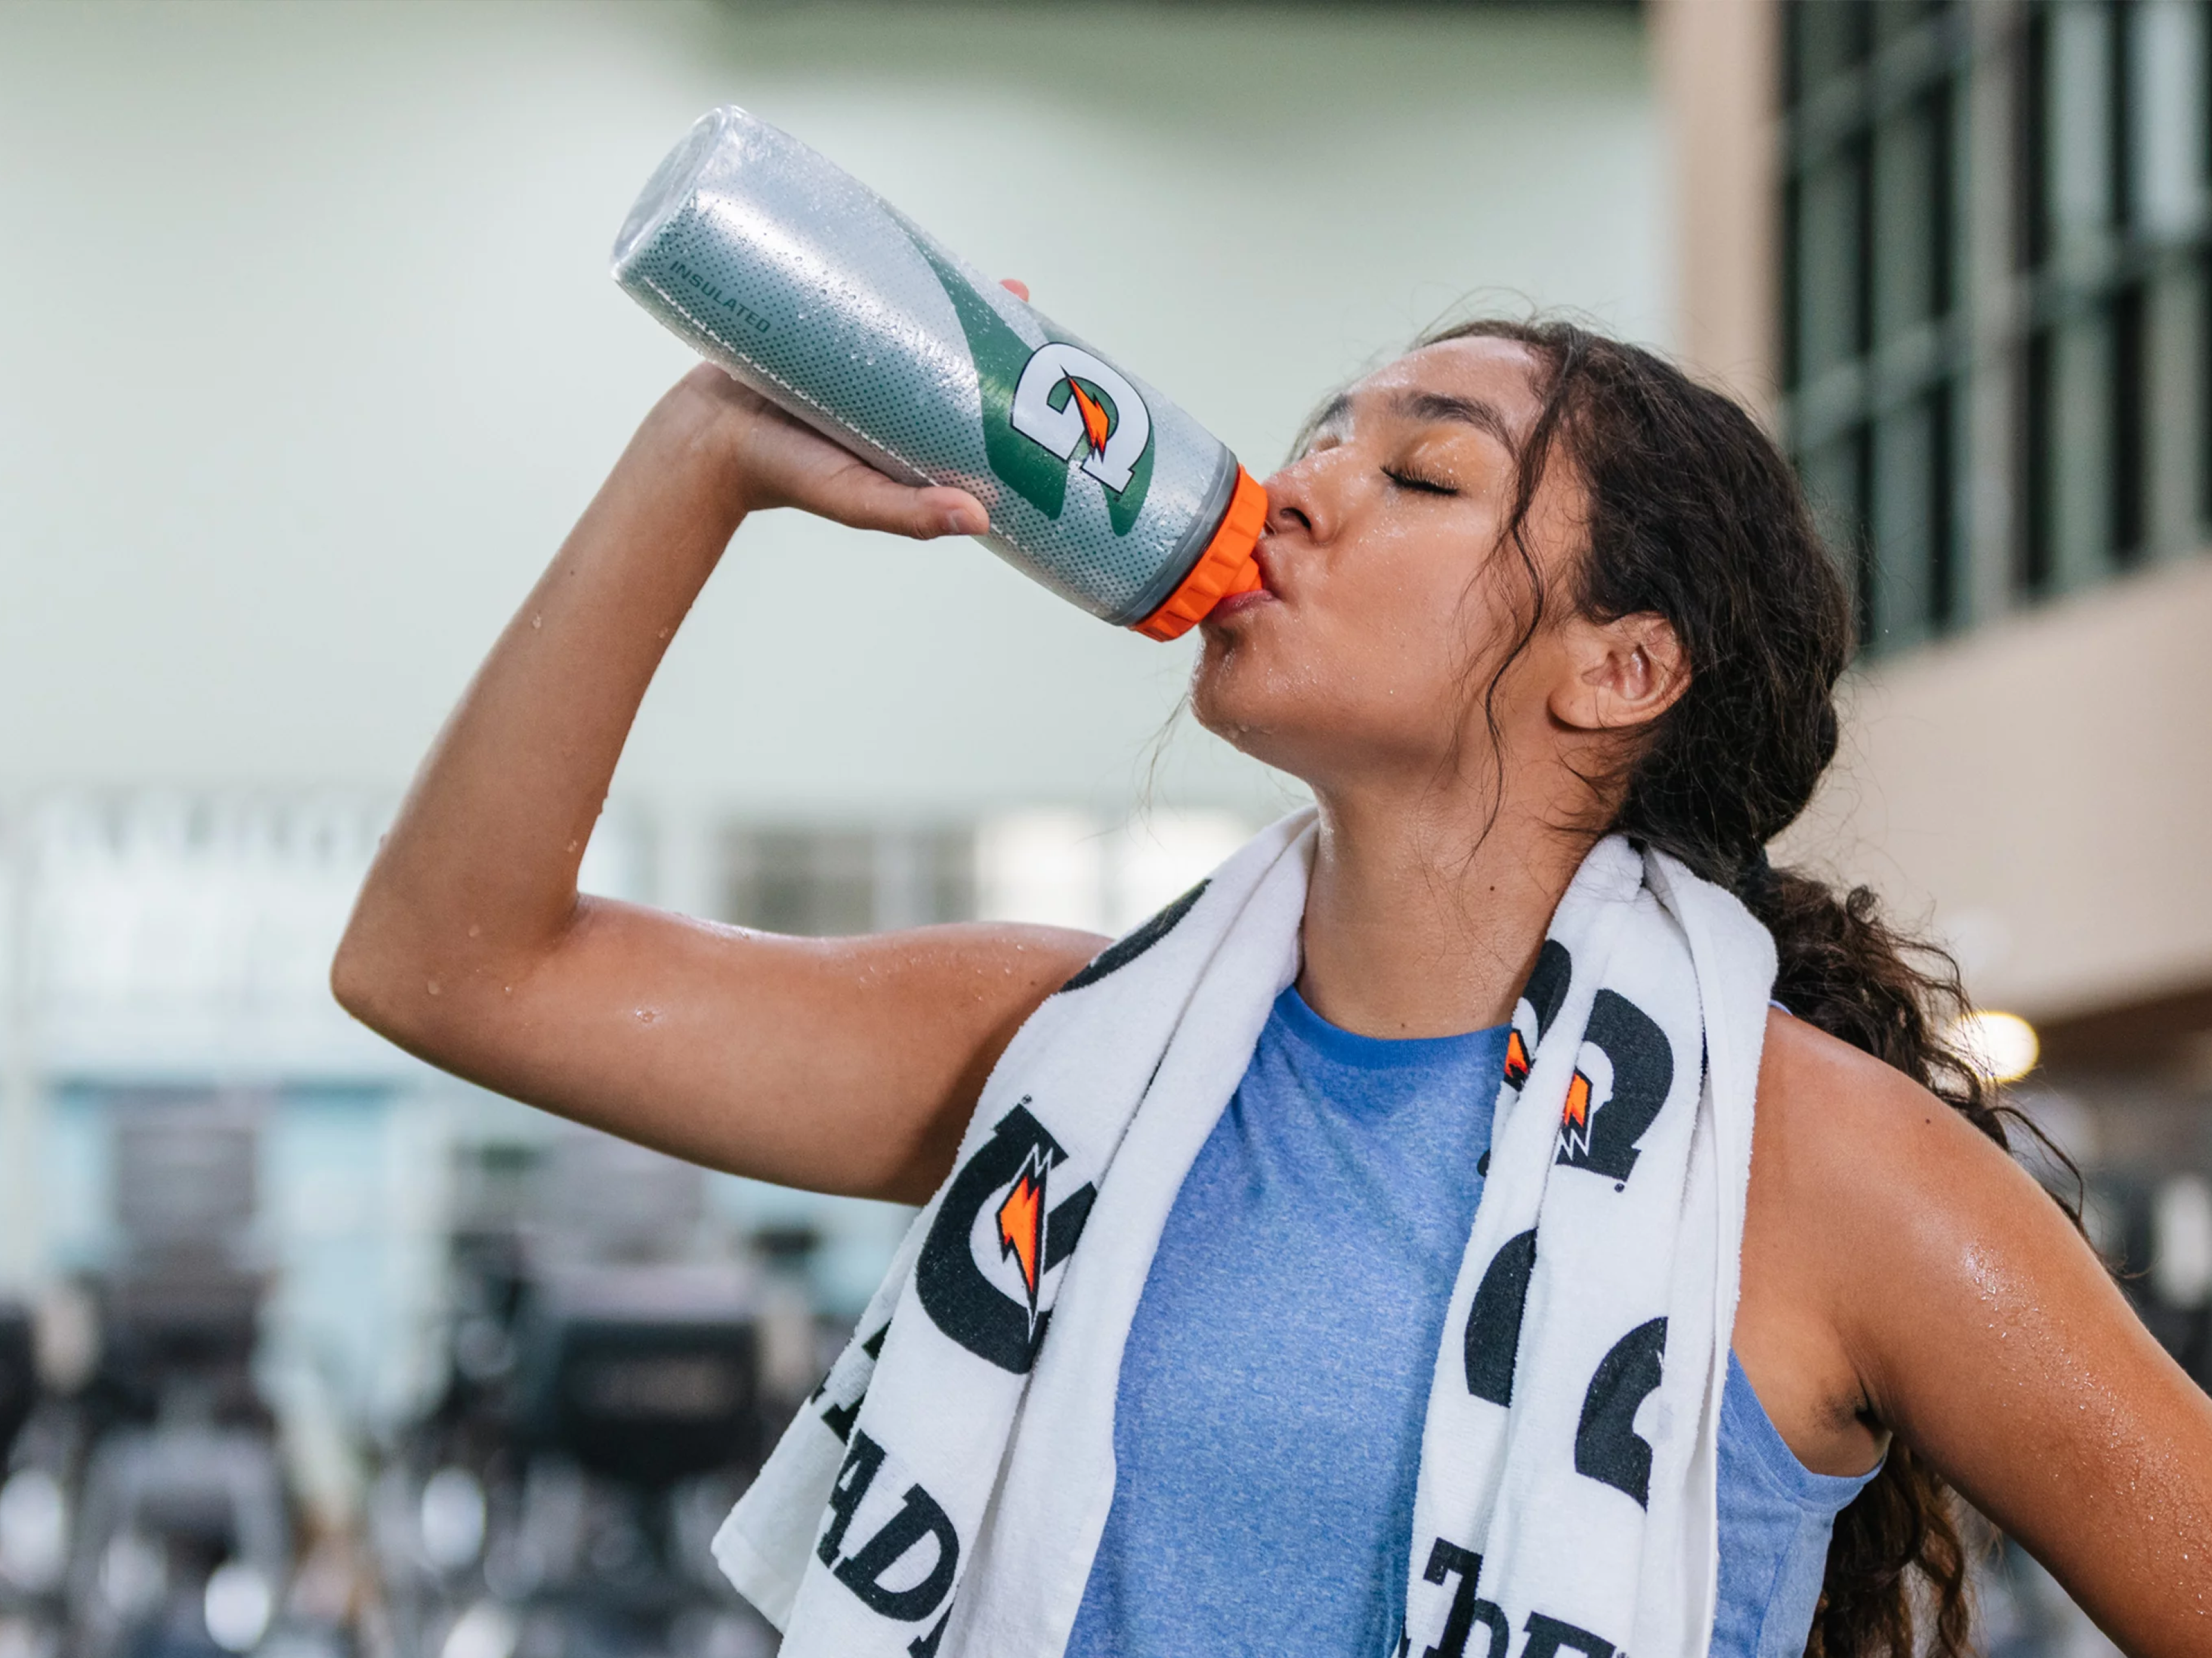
<point x="806" y="285"/>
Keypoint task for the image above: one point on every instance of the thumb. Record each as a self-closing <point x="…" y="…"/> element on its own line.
<point x="943" y="510"/>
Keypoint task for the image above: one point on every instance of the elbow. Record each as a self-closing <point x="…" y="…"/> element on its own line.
<point x="385" y="984"/>
<point x="416" y="988"/>
<point x="360" y="984"/>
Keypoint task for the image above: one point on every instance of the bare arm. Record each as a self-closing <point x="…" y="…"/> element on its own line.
<point x="1970" y="1317"/>
<point x="841" y="1064"/>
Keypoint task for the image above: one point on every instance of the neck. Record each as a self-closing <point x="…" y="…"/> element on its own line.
<point x="1422" y="920"/>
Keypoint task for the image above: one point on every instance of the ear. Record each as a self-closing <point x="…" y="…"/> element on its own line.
<point x="1617" y="675"/>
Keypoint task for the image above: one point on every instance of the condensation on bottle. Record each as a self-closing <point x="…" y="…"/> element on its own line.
<point x="794" y="276"/>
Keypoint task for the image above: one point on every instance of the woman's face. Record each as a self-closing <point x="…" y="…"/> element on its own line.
<point x="1387" y="599"/>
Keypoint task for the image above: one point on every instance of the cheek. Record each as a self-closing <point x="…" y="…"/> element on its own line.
<point x="1392" y="626"/>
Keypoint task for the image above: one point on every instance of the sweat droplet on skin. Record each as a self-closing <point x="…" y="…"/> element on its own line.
<point x="538" y="620"/>
<point x="647" y="1015"/>
<point x="433" y="986"/>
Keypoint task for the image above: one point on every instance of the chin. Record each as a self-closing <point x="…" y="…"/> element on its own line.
<point x="1320" y="721"/>
<point x="1261" y="707"/>
<point x="1228" y="696"/>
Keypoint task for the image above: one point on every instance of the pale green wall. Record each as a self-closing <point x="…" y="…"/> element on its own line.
<point x="308" y="355"/>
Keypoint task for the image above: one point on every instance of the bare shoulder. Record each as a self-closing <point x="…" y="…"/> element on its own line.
<point x="1843" y="1130"/>
<point x="1861" y="1180"/>
<point x="1884" y="1188"/>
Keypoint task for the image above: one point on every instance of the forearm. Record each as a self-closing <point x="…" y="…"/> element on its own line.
<point x="477" y="879"/>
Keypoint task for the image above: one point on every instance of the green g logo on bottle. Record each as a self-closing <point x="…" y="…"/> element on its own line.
<point x="1043" y="404"/>
<point x="1067" y="399"/>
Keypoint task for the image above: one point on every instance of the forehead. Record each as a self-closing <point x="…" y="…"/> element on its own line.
<point x="1498" y="372"/>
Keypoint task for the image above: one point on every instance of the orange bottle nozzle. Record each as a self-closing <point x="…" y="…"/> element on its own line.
<point x="1226" y="567"/>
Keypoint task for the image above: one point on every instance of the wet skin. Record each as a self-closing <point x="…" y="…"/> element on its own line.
<point x="1901" y="1276"/>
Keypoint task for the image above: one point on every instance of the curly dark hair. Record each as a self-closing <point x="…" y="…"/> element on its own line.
<point x="1693" y="512"/>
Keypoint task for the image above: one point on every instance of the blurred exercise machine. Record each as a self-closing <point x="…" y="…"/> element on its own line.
<point x="608" y="1397"/>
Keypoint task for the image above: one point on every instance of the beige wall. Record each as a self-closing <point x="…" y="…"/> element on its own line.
<point x="1712" y="62"/>
<point x="2041" y="791"/>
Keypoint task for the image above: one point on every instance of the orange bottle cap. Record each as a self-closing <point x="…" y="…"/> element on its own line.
<point x="1226" y="567"/>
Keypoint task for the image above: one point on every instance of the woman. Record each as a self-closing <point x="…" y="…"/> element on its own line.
<point x="1524" y="587"/>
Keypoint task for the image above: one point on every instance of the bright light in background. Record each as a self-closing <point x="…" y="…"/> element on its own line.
<point x="236" y="1605"/>
<point x="1161" y="855"/>
<point x="1045" y="866"/>
<point x="2002" y="1046"/>
<point x="486" y="1630"/>
<point x="2181" y="1241"/>
<point x="1063" y="868"/>
<point x="451" y="1517"/>
<point x="33" y="1530"/>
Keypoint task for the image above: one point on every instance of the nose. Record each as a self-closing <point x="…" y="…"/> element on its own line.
<point x="1301" y="500"/>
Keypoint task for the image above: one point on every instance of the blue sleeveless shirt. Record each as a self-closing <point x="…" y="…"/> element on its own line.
<point x="1268" y="1427"/>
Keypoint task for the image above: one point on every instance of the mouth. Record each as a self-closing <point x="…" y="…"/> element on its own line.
<point x="1237" y="604"/>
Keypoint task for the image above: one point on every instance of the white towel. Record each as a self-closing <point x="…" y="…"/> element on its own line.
<point x="945" y="1491"/>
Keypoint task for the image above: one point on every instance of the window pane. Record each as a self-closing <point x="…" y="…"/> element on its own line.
<point x="1835" y="478"/>
<point x="2079" y="158"/>
<point x="1893" y="18"/>
<point x="2130" y="487"/>
<point x="2031" y="71"/>
<point x="1831" y="246"/>
<point x="1900" y="529"/>
<point x="1825" y="40"/>
<point x="2080" y="459"/>
<point x="2205" y="390"/>
<point x="2038" y="491"/>
<point x="1912" y="511"/>
<point x="1912" y="219"/>
<point x="2165" y="49"/>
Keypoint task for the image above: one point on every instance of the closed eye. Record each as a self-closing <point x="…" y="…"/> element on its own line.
<point x="1419" y="484"/>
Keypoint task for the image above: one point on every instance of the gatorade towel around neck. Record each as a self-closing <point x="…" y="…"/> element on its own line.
<point x="796" y="279"/>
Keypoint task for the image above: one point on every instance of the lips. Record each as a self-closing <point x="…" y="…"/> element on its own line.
<point x="1237" y="604"/>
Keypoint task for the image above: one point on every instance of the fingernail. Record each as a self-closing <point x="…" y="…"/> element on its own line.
<point x="955" y="522"/>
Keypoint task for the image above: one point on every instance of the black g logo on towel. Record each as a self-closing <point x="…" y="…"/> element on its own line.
<point x="999" y="1232"/>
<point x="1607" y="1114"/>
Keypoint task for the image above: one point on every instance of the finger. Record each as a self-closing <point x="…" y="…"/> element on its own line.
<point x="1017" y="286"/>
<point x="866" y="500"/>
<point x="954" y="512"/>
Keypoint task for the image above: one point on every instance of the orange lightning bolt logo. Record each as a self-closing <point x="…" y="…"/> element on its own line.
<point x="1517" y="1059"/>
<point x="1575" y="1119"/>
<point x="1021" y="1221"/>
<point x="1095" y="426"/>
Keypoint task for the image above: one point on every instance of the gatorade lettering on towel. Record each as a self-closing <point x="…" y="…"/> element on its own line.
<point x="802" y="282"/>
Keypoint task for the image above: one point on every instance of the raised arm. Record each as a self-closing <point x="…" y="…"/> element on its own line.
<point x="839" y="1064"/>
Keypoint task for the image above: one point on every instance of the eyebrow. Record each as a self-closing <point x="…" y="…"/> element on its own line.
<point x="1333" y="411"/>
<point x="1442" y="406"/>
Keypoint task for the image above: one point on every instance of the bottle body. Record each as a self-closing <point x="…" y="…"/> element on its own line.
<point x="793" y="276"/>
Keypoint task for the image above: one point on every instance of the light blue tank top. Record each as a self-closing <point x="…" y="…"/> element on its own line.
<point x="1268" y="1423"/>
